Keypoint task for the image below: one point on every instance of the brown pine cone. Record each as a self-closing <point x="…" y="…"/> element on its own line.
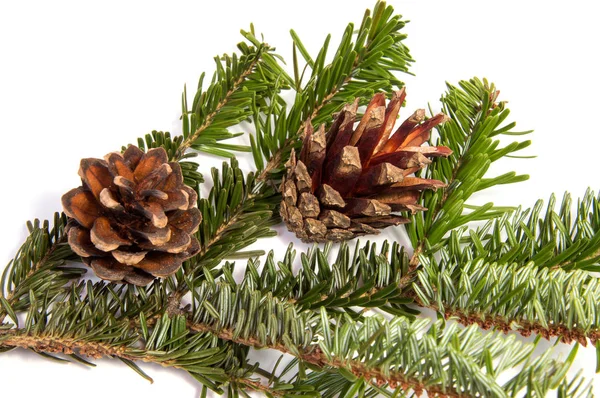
<point x="133" y="218"/>
<point x="350" y="181"/>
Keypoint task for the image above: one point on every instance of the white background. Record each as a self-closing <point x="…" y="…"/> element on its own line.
<point x="80" y="80"/>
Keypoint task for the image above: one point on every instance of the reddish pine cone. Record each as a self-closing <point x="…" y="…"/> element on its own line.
<point x="350" y="181"/>
<point x="133" y="218"/>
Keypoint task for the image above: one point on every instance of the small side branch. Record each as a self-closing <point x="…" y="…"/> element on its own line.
<point x="187" y="143"/>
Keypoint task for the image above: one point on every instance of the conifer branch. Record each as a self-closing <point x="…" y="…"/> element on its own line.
<point x="476" y="117"/>
<point x="523" y="271"/>
<point x="52" y="345"/>
<point x="237" y="212"/>
<point x="365" y="277"/>
<point x="374" y="350"/>
<point x="96" y="320"/>
<point x="551" y="239"/>
<point x="12" y="297"/>
<point x="334" y="285"/>
<point x="240" y="84"/>
<point x="524" y="298"/>
<point x="318" y="358"/>
<point x="40" y="264"/>
<point x="539" y="304"/>
<point x="237" y="87"/>
<point x="209" y="118"/>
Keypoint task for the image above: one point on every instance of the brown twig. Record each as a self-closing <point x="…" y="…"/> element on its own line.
<point x="258" y="386"/>
<point x="62" y="345"/>
<point x="520" y="325"/>
<point x="315" y="356"/>
<point x="274" y="162"/>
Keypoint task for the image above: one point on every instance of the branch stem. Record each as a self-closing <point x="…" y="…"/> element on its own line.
<point x="521" y="326"/>
<point x="315" y="356"/>
<point x="65" y="345"/>
<point x="189" y="141"/>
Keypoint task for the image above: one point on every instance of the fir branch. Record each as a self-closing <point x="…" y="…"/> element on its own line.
<point x="39" y="265"/>
<point x="193" y="136"/>
<point x="372" y="350"/>
<point x="335" y="285"/>
<point x="227" y="95"/>
<point x="95" y="320"/>
<point x="236" y="213"/>
<point x="364" y="63"/>
<point x="319" y="359"/>
<point x="551" y="239"/>
<point x="52" y="345"/>
<point x="397" y="353"/>
<point x="366" y="277"/>
<point x="239" y="84"/>
<point x="524" y="298"/>
<point x="476" y="119"/>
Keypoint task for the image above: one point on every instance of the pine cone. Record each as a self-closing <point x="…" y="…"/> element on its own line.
<point x="350" y="181"/>
<point x="133" y="218"/>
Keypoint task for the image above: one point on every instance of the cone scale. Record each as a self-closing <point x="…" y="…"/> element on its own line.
<point x="355" y="178"/>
